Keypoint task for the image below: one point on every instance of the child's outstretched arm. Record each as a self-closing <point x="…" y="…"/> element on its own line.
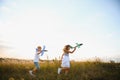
<point x="73" y="50"/>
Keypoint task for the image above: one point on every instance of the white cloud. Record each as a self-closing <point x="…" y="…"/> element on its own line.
<point x="14" y="4"/>
<point x="95" y="18"/>
<point x="4" y="9"/>
<point x="7" y="7"/>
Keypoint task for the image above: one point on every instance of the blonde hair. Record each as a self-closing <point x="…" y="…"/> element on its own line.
<point x="39" y="47"/>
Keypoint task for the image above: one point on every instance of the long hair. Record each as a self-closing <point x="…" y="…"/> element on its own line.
<point x="66" y="48"/>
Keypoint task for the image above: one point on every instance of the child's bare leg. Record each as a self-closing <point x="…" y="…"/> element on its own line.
<point x="34" y="70"/>
<point x="65" y="69"/>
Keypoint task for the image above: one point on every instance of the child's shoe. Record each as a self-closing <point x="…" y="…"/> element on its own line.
<point x="31" y="73"/>
<point x="59" y="70"/>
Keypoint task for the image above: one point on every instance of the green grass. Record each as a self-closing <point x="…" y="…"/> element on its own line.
<point x="48" y="71"/>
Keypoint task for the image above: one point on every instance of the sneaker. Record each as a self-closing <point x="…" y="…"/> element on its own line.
<point x="31" y="73"/>
<point x="59" y="70"/>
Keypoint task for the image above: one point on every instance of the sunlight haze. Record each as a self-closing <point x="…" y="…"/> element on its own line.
<point x="25" y="24"/>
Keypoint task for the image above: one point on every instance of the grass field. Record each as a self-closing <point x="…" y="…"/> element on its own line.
<point x="19" y="70"/>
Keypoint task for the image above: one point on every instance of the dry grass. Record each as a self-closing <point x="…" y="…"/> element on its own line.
<point x="18" y="70"/>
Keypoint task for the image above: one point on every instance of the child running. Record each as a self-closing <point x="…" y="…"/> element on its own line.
<point x="65" y="65"/>
<point x="36" y="61"/>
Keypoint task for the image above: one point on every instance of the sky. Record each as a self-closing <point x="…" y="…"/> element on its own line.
<point x="26" y="24"/>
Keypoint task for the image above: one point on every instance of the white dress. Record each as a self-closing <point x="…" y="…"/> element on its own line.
<point x="36" y="57"/>
<point x="65" y="61"/>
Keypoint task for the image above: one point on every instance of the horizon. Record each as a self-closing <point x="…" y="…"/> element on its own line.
<point x="92" y="59"/>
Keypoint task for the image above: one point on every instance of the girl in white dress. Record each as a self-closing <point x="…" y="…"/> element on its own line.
<point x="65" y="65"/>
